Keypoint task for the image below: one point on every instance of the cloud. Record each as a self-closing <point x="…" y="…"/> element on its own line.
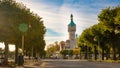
<point x="52" y="33"/>
<point x="51" y="40"/>
<point x="56" y="18"/>
<point x="56" y="15"/>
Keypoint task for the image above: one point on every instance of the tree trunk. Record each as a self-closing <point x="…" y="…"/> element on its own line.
<point x="6" y="53"/>
<point x="86" y="53"/>
<point x="114" y="53"/>
<point x="95" y="52"/>
<point x="119" y="55"/>
<point x="102" y="53"/>
<point x="107" y="53"/>
<point x="16" y="53"/>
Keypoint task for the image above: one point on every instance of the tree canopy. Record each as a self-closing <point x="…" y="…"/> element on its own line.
<point x="104" y="33"/>
<point x="12" y="15"/>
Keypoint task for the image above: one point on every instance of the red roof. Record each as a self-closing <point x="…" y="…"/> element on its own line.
<point x="67" y="41"/>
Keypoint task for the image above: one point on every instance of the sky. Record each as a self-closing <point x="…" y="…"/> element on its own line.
<point x="56" y="15"/>
<point x="11" y="46"/>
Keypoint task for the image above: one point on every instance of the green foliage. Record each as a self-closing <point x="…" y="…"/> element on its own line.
<point x="53" y="48"/>
<point x="70" y="52"/>
<point x="66" y="52"/>
<point x="103" y="34"/>
<point x="76" y="51"/>
<point x="13" y="14"/>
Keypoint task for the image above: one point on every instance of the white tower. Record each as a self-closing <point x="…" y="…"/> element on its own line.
<point x="71" y="31"/>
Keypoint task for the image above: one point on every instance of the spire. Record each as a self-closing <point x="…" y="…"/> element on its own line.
<point x="71" y="17"/>
<point x="72" y="23"/>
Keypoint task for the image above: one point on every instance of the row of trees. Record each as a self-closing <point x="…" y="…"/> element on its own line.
<point x="12" y="15"/>
<point x="52" y="49"/>
<point x="58" y="48"/>
<point x="105" y="34"/>
<point x="68" y="53"/>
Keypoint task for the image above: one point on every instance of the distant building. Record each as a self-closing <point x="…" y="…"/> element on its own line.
<point x="67" y="44"/>
<point x="71" y="42"/>
<point x="62" y="45"/>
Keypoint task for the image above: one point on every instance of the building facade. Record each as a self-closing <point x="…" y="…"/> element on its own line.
<point x="71" y="42"/>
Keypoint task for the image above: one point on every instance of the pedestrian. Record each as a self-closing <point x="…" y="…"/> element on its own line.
<point x="20" y="60"/>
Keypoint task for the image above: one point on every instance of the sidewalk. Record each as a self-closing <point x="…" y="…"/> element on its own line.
<point x="27" y="64"/>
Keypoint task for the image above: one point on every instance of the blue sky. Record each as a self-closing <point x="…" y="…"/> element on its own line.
<point x="56" y="15"/>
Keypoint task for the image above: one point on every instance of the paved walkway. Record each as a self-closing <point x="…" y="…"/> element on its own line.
<point x="28" y="64"/>
<point x="61" y="63"/>
<point x="76" y="64"/>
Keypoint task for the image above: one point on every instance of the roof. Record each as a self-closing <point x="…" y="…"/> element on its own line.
<point x="67" y="41"/>
<point x="72" y="22"/>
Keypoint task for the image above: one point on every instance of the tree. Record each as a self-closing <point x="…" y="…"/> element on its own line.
<point x="104" y="33"/>
<point x="53" y="48"/>
<point x="64" y="53"/>
<point x="13" y="14"/>
<point x="76" y="52"/>
<point x="109" y="17"/>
